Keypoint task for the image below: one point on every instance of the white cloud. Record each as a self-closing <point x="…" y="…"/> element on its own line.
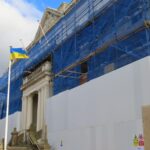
<point x="25" y="8"/>
<point x="18" y="20"/>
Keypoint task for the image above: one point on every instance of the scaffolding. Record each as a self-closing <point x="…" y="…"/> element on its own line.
<point x="102" y="33"/>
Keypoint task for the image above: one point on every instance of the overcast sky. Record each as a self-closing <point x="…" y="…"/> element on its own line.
<point x="18" y="20"/>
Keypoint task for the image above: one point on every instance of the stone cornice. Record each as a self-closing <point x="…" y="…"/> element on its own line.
<point x="42" y="72"/>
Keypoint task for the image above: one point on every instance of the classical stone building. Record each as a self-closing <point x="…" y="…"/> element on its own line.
<point x="86" y="83"/>
<point x="38" y="87"/>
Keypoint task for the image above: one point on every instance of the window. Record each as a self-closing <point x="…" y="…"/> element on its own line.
<point x="84" y="67"/>
<point x="84" y="71"/>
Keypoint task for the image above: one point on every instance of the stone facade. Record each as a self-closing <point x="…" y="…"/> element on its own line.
<point x="50" y="18"/>
<point x="38" y="82"/>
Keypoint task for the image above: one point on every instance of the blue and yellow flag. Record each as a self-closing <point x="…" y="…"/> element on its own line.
<point x="18" y="53"/>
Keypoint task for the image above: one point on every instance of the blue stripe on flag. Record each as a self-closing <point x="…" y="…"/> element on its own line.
<point x="18" y="50"/>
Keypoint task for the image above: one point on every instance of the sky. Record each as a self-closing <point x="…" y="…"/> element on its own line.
<point x="42" y="4"/>
<point x="18" y="20"/>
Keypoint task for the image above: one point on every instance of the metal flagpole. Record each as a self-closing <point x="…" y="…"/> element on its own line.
<point x="7" y="108"/>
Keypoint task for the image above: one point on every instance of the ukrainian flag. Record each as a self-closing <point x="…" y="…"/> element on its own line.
<point x="18" y="53"/>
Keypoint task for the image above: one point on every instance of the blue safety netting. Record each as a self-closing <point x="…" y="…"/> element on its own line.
<point x="2" y="102"/>
<point x="102" y="31"/>
<point x="120" y="54"/>
<point x="109" y="31"/>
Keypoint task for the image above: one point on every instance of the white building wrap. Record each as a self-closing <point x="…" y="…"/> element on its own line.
<point x="103" y="114"/>
<point x="14" y="122"/>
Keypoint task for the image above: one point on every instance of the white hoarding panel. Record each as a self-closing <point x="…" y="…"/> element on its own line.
<point x="105" y="113"/>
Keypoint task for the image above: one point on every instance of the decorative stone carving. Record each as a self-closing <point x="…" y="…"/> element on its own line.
<point x="14" y="138"/>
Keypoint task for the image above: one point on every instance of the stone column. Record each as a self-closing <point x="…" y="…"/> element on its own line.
<point x="46" y="92"/>
<point x="43" y="122"/>
<point x="51" y="89"/>
<point x="23" y="113"/>
<point x="29" y="112"/>
<point x="44" y="143"/>
<point x="39" y="111"/>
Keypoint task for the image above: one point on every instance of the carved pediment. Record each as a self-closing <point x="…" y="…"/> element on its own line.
<point x="49" y="19"/>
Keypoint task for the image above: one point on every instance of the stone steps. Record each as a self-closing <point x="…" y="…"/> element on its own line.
<point x="32" y="141"/>
<point x="19" y="148"/>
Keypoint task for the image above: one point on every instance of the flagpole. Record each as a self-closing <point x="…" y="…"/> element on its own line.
<point x="7" y="108"/>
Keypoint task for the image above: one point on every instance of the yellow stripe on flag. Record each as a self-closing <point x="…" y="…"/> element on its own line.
<point x="16" y="55"/>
